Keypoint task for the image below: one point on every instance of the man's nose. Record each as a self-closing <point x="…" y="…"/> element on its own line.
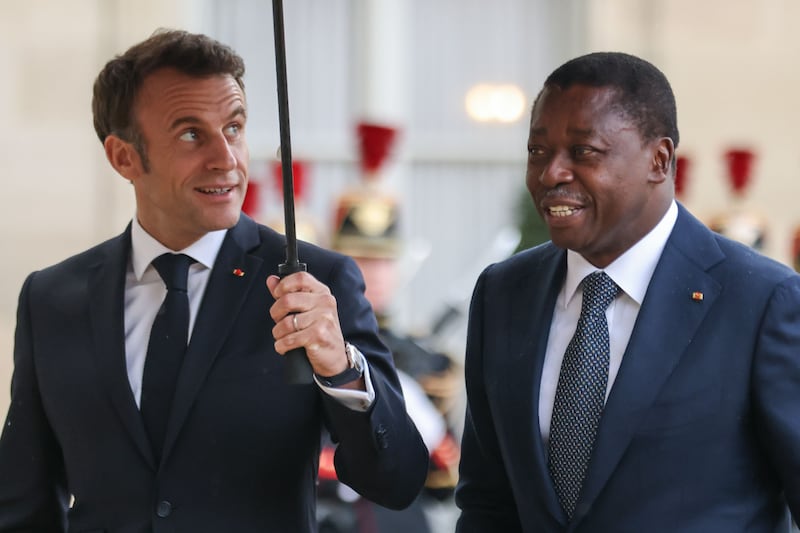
<point x="557" y="170"/>
<point x="221" y="154"/>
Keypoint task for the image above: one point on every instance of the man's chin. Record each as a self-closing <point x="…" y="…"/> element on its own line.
<point x="564" y="239"/>
<point x="223" y="223"/>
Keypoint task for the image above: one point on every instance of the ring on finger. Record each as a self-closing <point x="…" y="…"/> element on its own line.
<point x="294" y="323"/>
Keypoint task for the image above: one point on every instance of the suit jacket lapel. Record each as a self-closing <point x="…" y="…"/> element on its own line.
<point x="222" y="302"/>
<point x="664" y="328"/>
<point x="106" y="294"/>
<point x="531" y="312"/>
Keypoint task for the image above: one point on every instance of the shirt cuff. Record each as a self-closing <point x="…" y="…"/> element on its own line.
<point x="354" y="399"/>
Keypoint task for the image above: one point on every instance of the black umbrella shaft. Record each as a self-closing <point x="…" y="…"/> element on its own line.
<point x="286" y="143"/>
<point x="298" y="369"/>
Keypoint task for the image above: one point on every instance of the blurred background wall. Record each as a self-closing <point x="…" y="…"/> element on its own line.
<point x="406" y="63"/>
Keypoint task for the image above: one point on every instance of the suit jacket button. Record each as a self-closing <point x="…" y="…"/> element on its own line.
<point x="163" y="509"/>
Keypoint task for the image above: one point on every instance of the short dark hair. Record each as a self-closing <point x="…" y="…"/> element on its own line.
<point x="643" y="92"/>
<point x="118" y="84"/>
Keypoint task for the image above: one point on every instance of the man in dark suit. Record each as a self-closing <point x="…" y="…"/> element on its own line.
<point x="240" y="446"/>
<point x="695" y="352"/>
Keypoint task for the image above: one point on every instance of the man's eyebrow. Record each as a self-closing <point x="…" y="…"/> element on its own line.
<point x="580" y="132"/>
<point x="239" y="111"/>
<point x="180" y="121"/>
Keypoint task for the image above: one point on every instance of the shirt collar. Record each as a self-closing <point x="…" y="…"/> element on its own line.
<point x="145" y="248"/>
<point x="633" y="269"/>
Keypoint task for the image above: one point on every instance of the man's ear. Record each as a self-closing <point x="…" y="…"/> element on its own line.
<point x="123" y="157"/>
<point x="663" y="154"/>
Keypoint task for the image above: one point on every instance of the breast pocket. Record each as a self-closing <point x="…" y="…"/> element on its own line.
<point x="676" y="410"/>
<point x="244" y="366"/>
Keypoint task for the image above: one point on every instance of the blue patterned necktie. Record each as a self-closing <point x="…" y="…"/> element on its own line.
<point x="581" y="392"/>
<point x="166" y="347"/>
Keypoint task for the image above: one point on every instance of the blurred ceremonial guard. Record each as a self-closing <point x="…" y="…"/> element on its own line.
<point x="740" y="223"/>
<point x="264" y="200"/>
<point x="367" y="228"/>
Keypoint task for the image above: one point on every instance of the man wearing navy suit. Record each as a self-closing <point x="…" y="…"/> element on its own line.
<point x="240" y="446"/>
<point x="697" y="354"/>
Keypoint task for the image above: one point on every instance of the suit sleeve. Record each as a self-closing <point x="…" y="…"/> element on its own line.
<point x="483" y="493"/>
<point x="380" y="453"/>
<point x="33" y="494"/>
<point x="777" y="387"/>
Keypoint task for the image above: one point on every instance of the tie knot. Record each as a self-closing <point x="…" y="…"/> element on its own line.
<point x="174" y="270"/>
<point x="599" y="291"/>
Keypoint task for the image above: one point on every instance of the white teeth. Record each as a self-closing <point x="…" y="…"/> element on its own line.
<point x="218" y="190"/>
<point x="562" y="211"/>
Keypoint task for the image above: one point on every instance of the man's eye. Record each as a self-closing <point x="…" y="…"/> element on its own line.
<point x="581" y="151"/>
<point x="190" y="136"/>
<point x="233" y="130"/>
<point x="535" y="151"/>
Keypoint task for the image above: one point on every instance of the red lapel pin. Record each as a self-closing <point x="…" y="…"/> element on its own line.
<point x="697" y="296"/>
<point x="238" y="272"/>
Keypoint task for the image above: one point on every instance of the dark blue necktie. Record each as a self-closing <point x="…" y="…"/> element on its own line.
<point x="166" y="348"/>
<point x="581" y="391"/>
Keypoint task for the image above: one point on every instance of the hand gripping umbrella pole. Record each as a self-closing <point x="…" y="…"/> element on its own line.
<point x="298" y="369"/>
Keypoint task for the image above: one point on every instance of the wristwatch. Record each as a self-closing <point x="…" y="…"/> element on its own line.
<point x="354" y="370"/>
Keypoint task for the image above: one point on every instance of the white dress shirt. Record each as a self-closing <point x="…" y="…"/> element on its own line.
<point x="631" y="272"/>
<point x="144" y="292"/>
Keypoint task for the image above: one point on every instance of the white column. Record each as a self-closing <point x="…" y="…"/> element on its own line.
<point x="382" y="95"/>
<point x="382" y="60"/>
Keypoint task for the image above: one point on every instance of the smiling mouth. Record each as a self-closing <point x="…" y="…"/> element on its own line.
<point x="215" y="190"/>
<point x="562" y="210"/>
